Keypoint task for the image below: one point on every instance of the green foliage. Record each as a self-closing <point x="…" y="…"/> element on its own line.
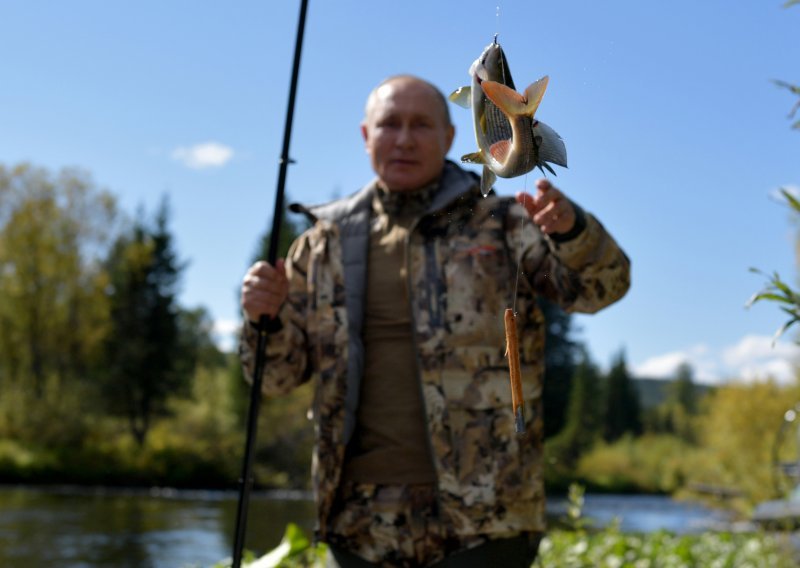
<point x="681" y="391"/>
<point x="199" y="445"/>
<point x="575" y="519"/>
<point x="196" y="345"/>
<point x="610" y="548"/>
<point x="285" y="433"/>
<point x="202" y="425"/>
<point x="776" y="290"/>
<point x="147" y="361"/>
<point x="53" y="310"/>
<point x="561" y="352"/>
<point x="294" y="550"/>
<point x="52" y="417"/>
<point x="794" y="89"/>
<point x="286" y="439"/>
<point x="622" y="409"/>
<point x="676" y="414"/>
<point x="737" y="430"/>
<point x="584" y="417"/>
<point x="607" y="548"/>
<point x="647" y="464"/>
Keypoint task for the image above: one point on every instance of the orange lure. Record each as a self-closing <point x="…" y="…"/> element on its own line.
<point x="512" y="351"/>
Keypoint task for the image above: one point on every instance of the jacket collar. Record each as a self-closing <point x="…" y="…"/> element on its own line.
<point x="454" y="183"/>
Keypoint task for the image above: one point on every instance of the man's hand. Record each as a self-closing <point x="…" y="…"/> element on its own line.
<point x="549" y="209"/>
<point x="264" y="290"/>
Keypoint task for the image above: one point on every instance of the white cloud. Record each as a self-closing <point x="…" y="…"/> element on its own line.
<point x="225" y="334"/>
<point x="759" y="356"/>
<point x="662" y="366"/>
<point x="752" y="358"/>
<point x="204" y="155"/>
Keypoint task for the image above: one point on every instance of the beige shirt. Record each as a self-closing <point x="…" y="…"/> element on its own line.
<point x="390" y="443"/>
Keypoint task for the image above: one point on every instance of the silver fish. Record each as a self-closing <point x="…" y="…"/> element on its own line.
<point x="511" y="142"/>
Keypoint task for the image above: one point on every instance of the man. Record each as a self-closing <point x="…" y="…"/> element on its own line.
<point x="393" y="304"/>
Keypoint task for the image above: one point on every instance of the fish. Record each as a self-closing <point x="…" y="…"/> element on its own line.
<point x="511" y="142"/>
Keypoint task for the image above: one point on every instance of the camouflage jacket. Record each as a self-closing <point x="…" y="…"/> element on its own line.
<point x="468" y="257"/>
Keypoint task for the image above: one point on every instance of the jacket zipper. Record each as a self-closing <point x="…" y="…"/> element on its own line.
<point x="428" y="441"/>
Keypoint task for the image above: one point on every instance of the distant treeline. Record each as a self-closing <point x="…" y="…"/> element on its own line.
<point x="106" y="378"/>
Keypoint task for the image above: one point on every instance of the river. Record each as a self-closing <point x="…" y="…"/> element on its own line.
<point x="93" y="528"/>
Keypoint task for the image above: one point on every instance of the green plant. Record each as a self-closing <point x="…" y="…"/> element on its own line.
<point x="776" y="290"/>
<point x="607" y="548"/>
<point x="611" y="548"/>
<point x="294" y="550"/>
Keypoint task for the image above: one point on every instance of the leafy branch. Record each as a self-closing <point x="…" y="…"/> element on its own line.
<point x="794" y="89"/>
<point x="776" y="290"/>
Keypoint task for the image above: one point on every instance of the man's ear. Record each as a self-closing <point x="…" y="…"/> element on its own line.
<point x="364" y="134"/>
<point x="451" y="134"/>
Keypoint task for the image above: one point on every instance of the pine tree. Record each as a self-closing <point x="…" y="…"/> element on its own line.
<point x="144" y="353"/>
<point x="623" y="410"/>
<point x="680" y="405"/>
<point x="561" y="352"/>
<point x="584" y="416"/>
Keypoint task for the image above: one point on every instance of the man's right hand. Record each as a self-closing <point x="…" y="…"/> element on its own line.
<point x="264" y="290"/>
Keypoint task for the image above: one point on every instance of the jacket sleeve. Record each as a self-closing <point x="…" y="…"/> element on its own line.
<point x="584" y="272"/>
<point x="287" y="359"/>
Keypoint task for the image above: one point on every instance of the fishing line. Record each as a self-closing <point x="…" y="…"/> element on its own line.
<point x="519" y="254"/>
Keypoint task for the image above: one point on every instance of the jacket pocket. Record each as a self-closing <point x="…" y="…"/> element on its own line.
<point x="479" y="287"/>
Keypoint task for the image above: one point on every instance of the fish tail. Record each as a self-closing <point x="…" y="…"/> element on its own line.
<point x="534" y="94"/>
<point x="511" y="102"/>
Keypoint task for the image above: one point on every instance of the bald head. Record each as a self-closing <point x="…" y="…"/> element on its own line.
<point x="408" y="80"/>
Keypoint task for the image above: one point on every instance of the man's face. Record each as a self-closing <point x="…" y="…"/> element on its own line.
<point x="407" y="134"/>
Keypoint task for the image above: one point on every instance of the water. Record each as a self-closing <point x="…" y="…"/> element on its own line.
<point x="646" y="513"/>
<point x="72" y="528"/>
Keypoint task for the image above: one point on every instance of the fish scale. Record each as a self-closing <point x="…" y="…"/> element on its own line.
<point x="497" y="125"/>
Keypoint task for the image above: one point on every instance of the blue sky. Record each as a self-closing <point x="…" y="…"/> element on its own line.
<point x="677" y="138"/>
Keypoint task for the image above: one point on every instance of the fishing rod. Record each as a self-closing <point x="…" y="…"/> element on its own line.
<point x="246" y="481"/>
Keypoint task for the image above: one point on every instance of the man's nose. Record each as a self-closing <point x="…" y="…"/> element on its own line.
<point x="405" y="136"/>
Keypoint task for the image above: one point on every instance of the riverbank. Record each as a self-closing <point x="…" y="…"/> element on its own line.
<point x="85" y="526"/>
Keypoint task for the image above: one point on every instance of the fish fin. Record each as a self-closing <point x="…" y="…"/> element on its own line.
<point x="473" y="158"/>
<point x="507" y="100"/>
<point x="499" y="150"/>
<point x="551" y="148"/>
<point x="487" y="180"/>
<point x="511" y="102"/>
<point x="543" y="165"/>
<point x="535" y="92"/>
<point x="462" y="96"/>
